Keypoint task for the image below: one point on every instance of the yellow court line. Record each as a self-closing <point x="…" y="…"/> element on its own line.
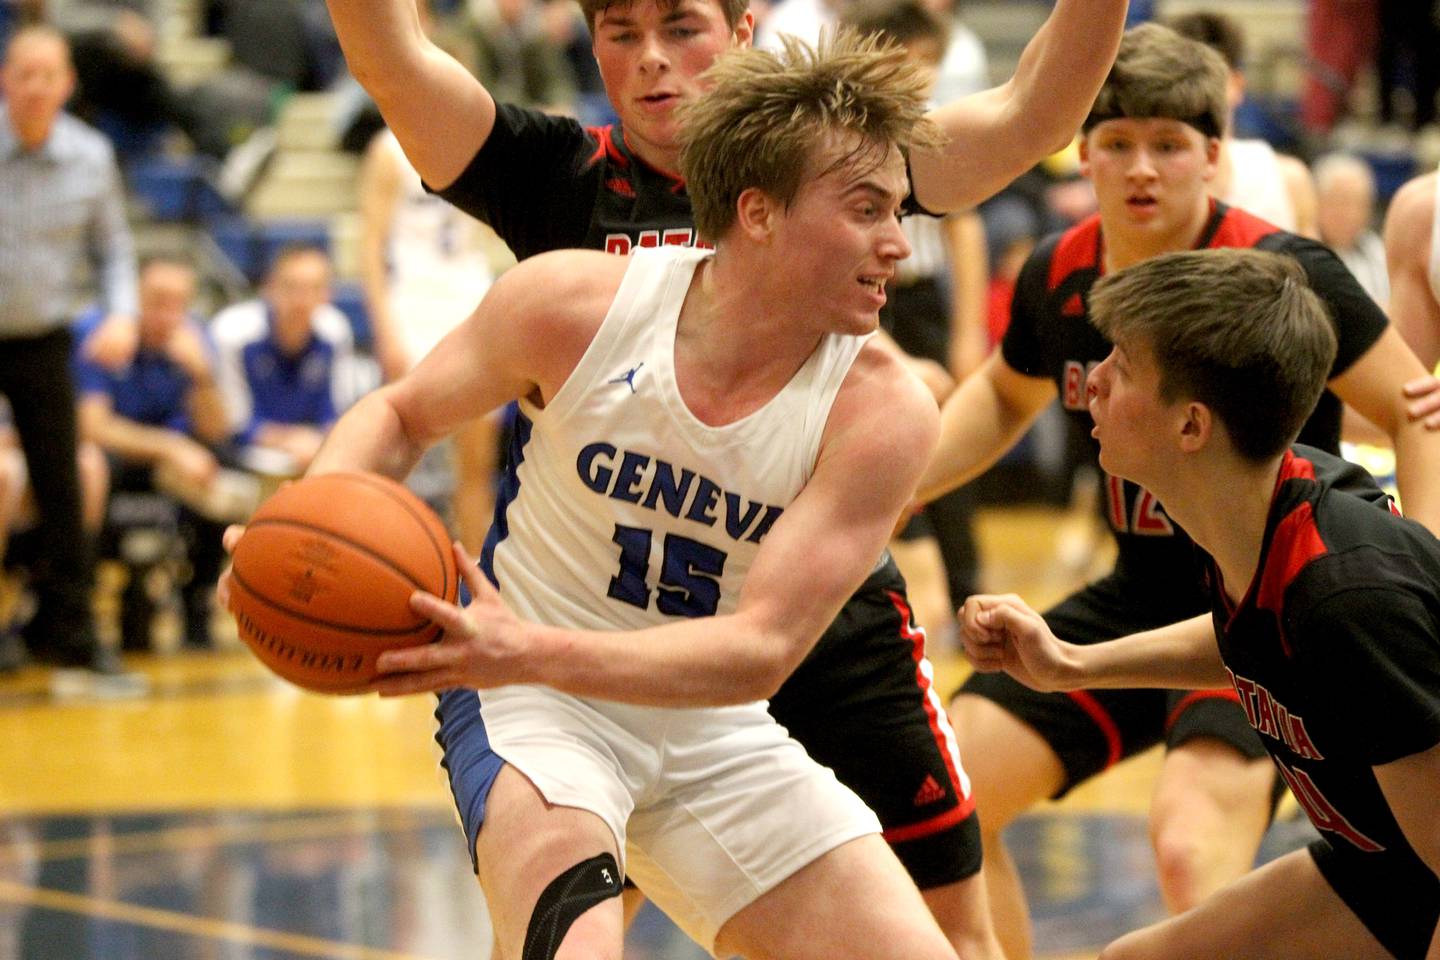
<point x="194" y="926"/>
<point x="188" y="838"/>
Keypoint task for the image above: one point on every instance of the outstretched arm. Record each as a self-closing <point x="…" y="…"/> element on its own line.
<point x="438" y="111"/>
<point x="1004" y="633"/>
<point x="998" y="134"/>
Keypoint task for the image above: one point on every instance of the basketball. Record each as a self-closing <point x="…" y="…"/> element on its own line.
<point x="321" y="580"/>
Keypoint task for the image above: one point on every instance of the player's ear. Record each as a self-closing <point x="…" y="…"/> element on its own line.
<point x="744" y="33"/>
<point x="1212" y="157"/>
<point x="1197" y="426"/>
<point x="1082" y="145"/>
<point x="755" y="213"/>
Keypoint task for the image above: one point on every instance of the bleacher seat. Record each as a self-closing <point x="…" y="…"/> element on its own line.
<point x="251" y="244"/>
<point x="176" y="189"/>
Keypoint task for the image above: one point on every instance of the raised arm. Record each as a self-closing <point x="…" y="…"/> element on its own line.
<point x="819" y="551"/>
<point x="998" y="134"/>
<point x="438" y="111"/>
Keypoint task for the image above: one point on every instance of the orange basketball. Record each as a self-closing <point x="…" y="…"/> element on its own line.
<point x="320" y="583"/>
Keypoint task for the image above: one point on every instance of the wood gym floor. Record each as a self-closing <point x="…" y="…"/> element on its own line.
<point x="229" y="816"/>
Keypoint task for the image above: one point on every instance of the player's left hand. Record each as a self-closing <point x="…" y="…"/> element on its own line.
<point x="1422" y="397"/>
<point x="481" y="647"/>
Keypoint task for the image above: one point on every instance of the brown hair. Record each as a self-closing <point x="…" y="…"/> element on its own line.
<point x="1160" y="74"/>
<point x="1217" y="31"/>
<point x="766" y="113"/>
<point x="1238" y="330"/>
<point x="732" y="9"/>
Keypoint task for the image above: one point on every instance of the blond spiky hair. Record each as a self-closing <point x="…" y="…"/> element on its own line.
<point x="765" y="114"/>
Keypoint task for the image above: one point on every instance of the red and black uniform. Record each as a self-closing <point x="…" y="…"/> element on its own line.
<point x="1157" y="578"/>
<point x="1335" y="655"/>
<point x="863" y="702"/>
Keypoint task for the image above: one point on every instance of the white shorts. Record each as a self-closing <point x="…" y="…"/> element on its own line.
<point x="710" y="808"/>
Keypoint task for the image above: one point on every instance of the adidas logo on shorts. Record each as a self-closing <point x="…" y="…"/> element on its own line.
<point x="930" y="792"/>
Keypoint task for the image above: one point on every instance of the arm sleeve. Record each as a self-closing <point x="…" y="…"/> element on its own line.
<point x="1021" y="344"/>
<point x="529" y="181"/>
<point x="1374" y="654"/>
<point x="1358" y="320"/>
<point x="114" y="247"/>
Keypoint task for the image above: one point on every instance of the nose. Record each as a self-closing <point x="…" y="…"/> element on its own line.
<point x="653" y="56"/>
<point x="896" y="245"/>
<point x="1142" y="166"/>
<point x="1097" y="384"/>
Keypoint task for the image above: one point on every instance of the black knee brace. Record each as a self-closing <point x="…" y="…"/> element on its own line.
<point x="569" y="895"/>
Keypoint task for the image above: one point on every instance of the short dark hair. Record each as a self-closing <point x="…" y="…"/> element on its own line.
<point x="1219" y="32"/>
<point x="1160" y="74"/>
<point x="1239" y="330"/>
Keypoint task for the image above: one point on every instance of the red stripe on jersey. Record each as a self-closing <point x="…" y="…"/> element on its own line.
<point x="1237" y="228"/>
<point x="1104" y="721"/>
<point x="1294" y="544"/>
<point x="605" y="146"/>
<point x="1194" y="697"/>
<point x="916" y="637"/>
<point x="927" y="828"/>
<point x="1078" y="249"/>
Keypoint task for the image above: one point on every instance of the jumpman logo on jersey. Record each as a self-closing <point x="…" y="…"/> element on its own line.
<point x="628" y="378"/>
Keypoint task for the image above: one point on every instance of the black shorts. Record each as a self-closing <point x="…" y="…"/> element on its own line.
<point x="1092" y="730"/>
<point x="1393" y="893"/>
<point x="863" y="704"/>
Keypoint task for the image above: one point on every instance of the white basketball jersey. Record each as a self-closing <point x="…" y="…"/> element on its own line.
<point x="625" y="511"/>
<point x="1256" y="184"/>
<point x="436" y="267"/>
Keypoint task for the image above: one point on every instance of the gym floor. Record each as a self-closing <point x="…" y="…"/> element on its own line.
<point x="229" y="816"/>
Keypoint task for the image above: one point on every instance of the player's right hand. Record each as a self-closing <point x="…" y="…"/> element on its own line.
<point x="1004" y="633"/>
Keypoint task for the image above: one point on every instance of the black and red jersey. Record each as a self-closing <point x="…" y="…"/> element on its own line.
<point x="1050" y="335"/>
<point x="548" y="183"/>
<point x="1335" y="651"/>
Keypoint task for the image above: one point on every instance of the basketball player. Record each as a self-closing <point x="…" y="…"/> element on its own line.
<point x="1149" y="147"/>
<point x="1324" y="604"/>
<point x="862" y="703"/>
<point x="679" y="523"/>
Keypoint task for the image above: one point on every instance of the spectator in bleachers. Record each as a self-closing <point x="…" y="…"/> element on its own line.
<point x="1250" y="174"/>
<point x="159" y="419"/>
<point x="121" y="88"/>
<point x="61" y="210"/>
<point x="518" y="56"/>
<point x="282" y="360"/>
<point x="1345" y="187"/>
